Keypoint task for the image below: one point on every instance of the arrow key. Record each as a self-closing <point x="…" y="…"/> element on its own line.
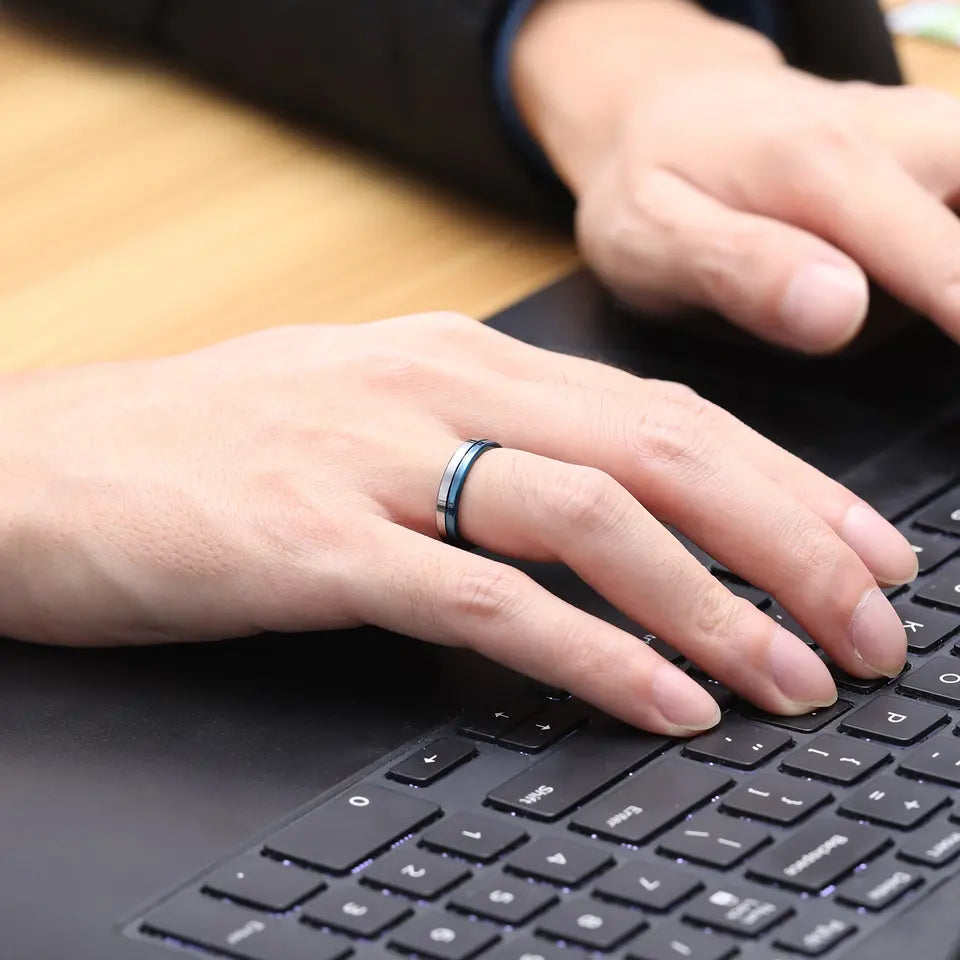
<point x="555" y="720"/>
<point x="651" y="884"/>
<point x="474" y="836"/>
<point x="433" y="761"/>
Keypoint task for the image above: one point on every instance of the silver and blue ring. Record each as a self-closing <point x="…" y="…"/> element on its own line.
<point x="451" y="487"/>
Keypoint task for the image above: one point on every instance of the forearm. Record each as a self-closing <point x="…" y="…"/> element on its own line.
<point x="575" y="63"/>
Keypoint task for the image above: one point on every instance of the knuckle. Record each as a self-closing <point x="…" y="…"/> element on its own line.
<point x="812" y="548"/>
<point x="494" y="594"/>
<point x="399" y="370"/>
<point x="671" y="436"/>
<point x="584" y="497"/>
<point x="718" y="615"/>
<point x="821" y="153"/>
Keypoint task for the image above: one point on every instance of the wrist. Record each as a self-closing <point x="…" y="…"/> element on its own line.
<point x="580" y="66"/>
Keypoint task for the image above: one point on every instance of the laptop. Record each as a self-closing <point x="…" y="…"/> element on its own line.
<point x="362" y="795"/>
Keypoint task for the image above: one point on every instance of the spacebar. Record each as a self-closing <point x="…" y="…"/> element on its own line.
<point x="925" y="929"/>
<point x="578" y="769"/>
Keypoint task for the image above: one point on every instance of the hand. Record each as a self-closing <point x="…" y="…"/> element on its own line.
<point x="708" y="173"/>
<point x="287" y="481"/>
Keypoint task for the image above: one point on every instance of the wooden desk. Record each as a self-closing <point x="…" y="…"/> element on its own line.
<point x="140" y="215"/>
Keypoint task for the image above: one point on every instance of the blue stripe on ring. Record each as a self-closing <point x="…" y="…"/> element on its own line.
<point x="451" y="518"/>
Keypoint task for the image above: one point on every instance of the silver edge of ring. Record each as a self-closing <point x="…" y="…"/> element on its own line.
<point x="446" y="480"/>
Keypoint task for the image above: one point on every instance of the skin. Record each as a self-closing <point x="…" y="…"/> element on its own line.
<point x="287" y="481"/>
<point x="709" y="173"/>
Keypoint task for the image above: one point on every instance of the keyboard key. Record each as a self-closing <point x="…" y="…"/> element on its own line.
<point x="415" y="872"/>
<point x="776" y="798"/>
<point x="879" y="884"/>
<point x="527" y="947"/>
<point x="939" y="679"/>
<point x="931" y="549"/>
<point x="894" y="719"/>
<point x="937" y="759"/>
<point x="806" y="722"/>
<point x="591" y="923"/>
<point x="259" y="882"/>
<point x="503" y="899"/>
<point x="650" y="884"/>
<point x="655" y="644"/>
<point x="776" y="612"/>
<point x="675" y="941"/>
<point x="433" y="761"/>
<point x="224" y="928"/>
<point x="559" y="860"/>
<point x="943" y="514"/>
<point x="839" y="759"/>
<point x="943" y="590"/>
<point x="933" y="845"/>
<point x="895" y="802"/>
<point x="548" y="725"/>
<point x="356" y="911"/>
<point x="714" y="840"/>
<point x="815" y="931"/>
<point x="737" y="743"/>
<point x="491" y="724"/>
<point x="925" y="628"/>
<point x="737" y="908"/>
<point x="723" y="696"/>
<point x="351" y="828"/>
<point x="443" y="936"/>
<point x="474" y="836"/>
<point x="818" y="853"/>
<point x="650" y="801"/>
<point x="575" y="771"/>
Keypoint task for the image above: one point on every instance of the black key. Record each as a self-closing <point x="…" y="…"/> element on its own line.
<point x="358" y="912"/>
<point x="549" y="724"/>
<point x="650" y="801"/>
<point x="776" y="798"/>
<point x="933" y="845"/>
<point x="879" y="884"/>
<point x="857" y="684"/>
<point x="575" y="771"/>
<point x="559" y="860"/>
<point x="351" y="828"/>
<point x="714" y="840"/>
<point x="503" y="899"/>
<point x="895" y="720"/>
<point x="474" y="836"/>
<point x="491" y="724"/>
<point x="656" y="644"/>
<point x="840" y="759"/>
<point x="650" y="884"/>
<point x="215" y="925"/>
<point x="433" y="761"/>
<point x="943" y="514"/>
<point x="806" y="722"/>
<point x="737" y="744"/>
<point x="591" y="923"/>
<point x="931" y="550"/>
<point x="783" y="617"/>
<point x="755" y="595"/>
<point x="737" y="908"/>
<point x="939" y="679"/>
<point x="675" y="941"/>
<point x="415" y="872"/>
<point x="527" y="947"/>
<point x="817" y="929"/>
<point x="260" y="882"/>
<point x="443" y="936"/>
<point x="723" y="696"/>
<point x="937" y="759"/>
<point x="925" y="628"/>
<point x="943" y="590"/>
<point x="895" y="802"/>
<point x="818" y="853"/>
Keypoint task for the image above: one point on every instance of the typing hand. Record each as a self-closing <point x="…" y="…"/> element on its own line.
<point x="287" y="481"/>
<point x="708" y="173"/>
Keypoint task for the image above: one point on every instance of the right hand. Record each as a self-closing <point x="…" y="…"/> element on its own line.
<point x="286" y="481"/>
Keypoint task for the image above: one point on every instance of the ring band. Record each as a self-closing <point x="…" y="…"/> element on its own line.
<point x="451" y="486"/>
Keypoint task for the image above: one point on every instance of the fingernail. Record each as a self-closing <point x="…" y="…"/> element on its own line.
<point x="879" y="639"/>
<point x="801" y="676"/>
<point x="682" y="702"/>
<point x="825" y="305"/>
<point x="886" y="552"/>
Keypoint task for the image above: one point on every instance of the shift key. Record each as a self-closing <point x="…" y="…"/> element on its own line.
<point x="575" y="771"/>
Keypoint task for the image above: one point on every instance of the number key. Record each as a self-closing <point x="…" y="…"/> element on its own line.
<point x="591" y="923"/>
<point x="443" y="936"/>
<point x="503" y="899"/>
<point x="415" y="872"/>
<point x="561" y="861"/>
<point x="474" y="836"/>
<point x="355" y="911"/>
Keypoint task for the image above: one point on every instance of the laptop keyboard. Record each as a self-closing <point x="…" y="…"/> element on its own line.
<point x="541" y="830"/>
